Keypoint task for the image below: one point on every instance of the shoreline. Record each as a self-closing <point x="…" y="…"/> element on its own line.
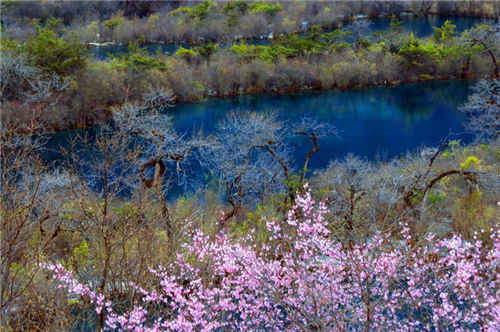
<point x="345" y="19"/>
<point x="288" y="92"/>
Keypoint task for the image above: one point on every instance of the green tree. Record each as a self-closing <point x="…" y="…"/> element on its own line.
<point x="189" y="55"/>
<point x="54" y="55"/>
<point x="241" y="6"/>
<point x="199" y="12"/>
<point x="268" y="53"/>
<point x="335" y="41"/>
<point x="300" y="46"/>
<point x="138" y="60"/>
<point x="111" y="24"/>
<point x="443" y="34"/>
<point x="207" y="50"/>
<point x="315" y="33"/>
<point x="267" y="8"/>
<point x="416" y="54"/>
<point x="396" y="25"/>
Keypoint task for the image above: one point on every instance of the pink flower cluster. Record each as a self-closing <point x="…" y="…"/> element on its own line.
<point x="304" y="280"/>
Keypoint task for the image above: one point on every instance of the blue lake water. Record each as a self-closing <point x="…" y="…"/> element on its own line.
<point x="392" y="120"/>
<point x="378" y="121"/>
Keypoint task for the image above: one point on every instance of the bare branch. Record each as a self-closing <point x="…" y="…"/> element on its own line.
<point x="483" y="111"/>
<point x="159" y="97"/>
<point x="46" y="89"/>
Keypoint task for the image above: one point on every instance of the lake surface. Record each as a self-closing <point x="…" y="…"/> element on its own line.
<point x="378" y="121"/>
<point x="387" y="120"/>
<point x="421" y="27"/>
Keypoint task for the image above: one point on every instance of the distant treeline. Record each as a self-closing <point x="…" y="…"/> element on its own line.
<point x="216" y="21"/>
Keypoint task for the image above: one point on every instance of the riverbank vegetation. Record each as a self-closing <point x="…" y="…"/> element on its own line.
<point x="55" y="78"/>
<point x="220" y="22"/>
<point x="108" y="214"/>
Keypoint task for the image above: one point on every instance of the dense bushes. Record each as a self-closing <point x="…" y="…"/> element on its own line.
<point x="156" y="21"/>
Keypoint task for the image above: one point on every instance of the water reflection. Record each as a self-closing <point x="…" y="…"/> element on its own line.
<point x="395" y="119"/>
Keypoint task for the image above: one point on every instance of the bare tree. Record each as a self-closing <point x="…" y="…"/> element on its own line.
<point x="163" y="146"/>
<point x="159" y="97"/>
<point x="46" y="89"/>
<point x="359" y="30"/>
<point x="29" y="202"/>
<point x="483" y="111"/>
<point x="254" y="152"/>
<point x="15" y="75"/>
<point x="487" y="36"/>
<point x="239" y="155"/>
<point x="104" y="168"/>
<point x="314" y="131"/>
<point x="347" y="182"/>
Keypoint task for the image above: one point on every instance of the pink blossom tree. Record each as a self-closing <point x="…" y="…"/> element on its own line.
<point x="303" y="279"/>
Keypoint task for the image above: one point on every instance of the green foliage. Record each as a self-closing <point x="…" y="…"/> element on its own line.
<point x="298" y="45"/>
<point x="452" y="148"/>
<point x="190" y="55"/>
<point x="474" y="217"/>
<point x="315" y="33"/>
<point x="472" y="163"/>
<point x="232" y="19"/>
<point x="206" y="50"/>
<point x="242" y="6"/>
<point x="435" y="198"/>
<point x="199" y="12"/>
<point x="396" y="25"/>
<point x="426" y="77"/>
<point x="115" y="21"/>
<point x="283" y="47"/>
<point x="445" y="32"/>
<point x="294" y="183"/>
<point x="138" y="60"/>
<point x="265" y="7"/>
<point x="8" y="44"/>
<point x="126" y="210"/>
<point x="238" y="6"/>
<point x="415" y="53"/>
<point x="183" y="52"/>
<point x="335" y="41"/>
<point x="16" y="268"/>
<point x="81" y="254"/>
<point x="111" y="23"/>
<point x="266" y="53"/>
<point x="54" y="55"/>
<point x="153" y="20"/>
<point x="245" y="51"/>
<point x="56" y="25"/>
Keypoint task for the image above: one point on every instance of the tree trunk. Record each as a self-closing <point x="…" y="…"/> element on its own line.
<point x="158" y="180"/>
